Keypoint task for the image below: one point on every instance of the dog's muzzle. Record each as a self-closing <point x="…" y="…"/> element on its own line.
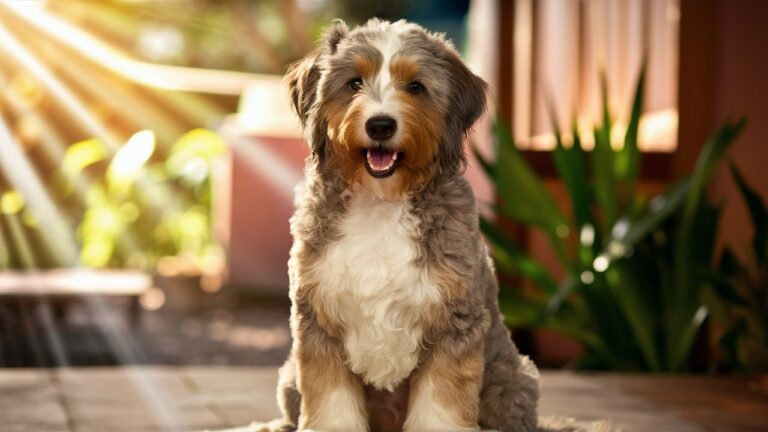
<point x="381" y="160"/>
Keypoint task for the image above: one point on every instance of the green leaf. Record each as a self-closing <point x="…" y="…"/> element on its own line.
<point x="603" y="166"/>
<point x="685" y="299"/>
<point x="660" y="209"/>
<point x="524" y="197"/>
<point x="519" y="310"/>
<point x="191" y="156"/>
<point x="79" y="156"/>
<point x="566" y="287"/>
<point x="757" y="213"/>
<point x="510" y="258"/>
<point x="569" y="163"/>
<point x="628" y="158"/>
<point x="629" y="284"/>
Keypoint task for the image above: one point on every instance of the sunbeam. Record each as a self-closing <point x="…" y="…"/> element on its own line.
<point x="159" y="76"/>
<point x="259" y="158"/>
<point x="24" y="178"/>
<point x="68" y="100"/>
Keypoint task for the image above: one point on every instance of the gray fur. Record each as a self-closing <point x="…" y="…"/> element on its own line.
<point x="450" y="237"/>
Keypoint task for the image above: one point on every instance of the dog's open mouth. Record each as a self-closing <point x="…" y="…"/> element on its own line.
<point x="380" y="162"/>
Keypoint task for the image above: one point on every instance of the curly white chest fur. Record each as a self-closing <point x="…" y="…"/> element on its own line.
<point x="370" y="282"/>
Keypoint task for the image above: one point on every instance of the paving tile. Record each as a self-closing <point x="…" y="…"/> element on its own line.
<point x="22" y="375"/>
<point x="120" y="385"/>
<point x="580" y="396"/>
<point x="232" y="378"/>
<point x="46" y="415"/>
<point x="164" y="399"/>
<point x="242" y="416"/>
<point x="136" y="419"/>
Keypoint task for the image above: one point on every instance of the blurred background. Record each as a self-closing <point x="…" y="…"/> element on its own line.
<point x="148" y="158"/>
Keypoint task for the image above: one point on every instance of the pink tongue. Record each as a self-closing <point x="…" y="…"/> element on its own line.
<point x="379" y="159"/>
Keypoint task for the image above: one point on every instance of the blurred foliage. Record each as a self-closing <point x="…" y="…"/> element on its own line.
<point x="138" y="210"/>
<point x="244" y="35"/>
<point x="132" y="209"/>
<point x="739" y="297"/>
<point x="634" y="280"/>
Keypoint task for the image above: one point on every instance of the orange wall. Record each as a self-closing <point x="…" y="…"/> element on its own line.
<point x="741" y="88"/>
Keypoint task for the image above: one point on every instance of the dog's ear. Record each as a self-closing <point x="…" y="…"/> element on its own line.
<point x="470" y="94"/>
<point x="302" y="78"/>
<point x="467" y="103"/>
<point x="304" y="75"/>
<point x="334" y="34"/>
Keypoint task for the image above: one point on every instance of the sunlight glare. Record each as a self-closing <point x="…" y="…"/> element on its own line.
<point x="23" y="176"/>
<point x="130" y="159"/>
<point x="56" y="88"/>
<point x="159" y="76"/>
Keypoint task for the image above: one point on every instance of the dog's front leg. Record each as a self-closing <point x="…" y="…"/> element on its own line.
<point x="445" y="391"/>
<point x="332" y="398"/>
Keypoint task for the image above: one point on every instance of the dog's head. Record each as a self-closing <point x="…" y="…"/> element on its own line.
<point x="386" y="105"/>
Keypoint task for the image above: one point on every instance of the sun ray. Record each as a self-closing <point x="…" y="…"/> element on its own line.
<point x="24" y="178"/>
<point x="52" y="335"/>
<point x="25" y="256"/>
<point x="42" y="308"/>
<point x="261" y="159"/>
<point x="5" y="256"/>
<point x="63" y="95"/>
<point x="160" y="76"/>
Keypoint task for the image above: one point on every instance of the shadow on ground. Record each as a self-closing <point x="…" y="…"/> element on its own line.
<point x="42" y="333"/>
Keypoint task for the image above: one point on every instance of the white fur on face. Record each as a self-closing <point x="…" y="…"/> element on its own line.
<point x="380" y="100"/>
<point x="371" y="285"/>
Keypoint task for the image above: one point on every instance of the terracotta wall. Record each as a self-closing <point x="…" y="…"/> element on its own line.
<point x="723" y="76"/>
<point x="741" y="88"/>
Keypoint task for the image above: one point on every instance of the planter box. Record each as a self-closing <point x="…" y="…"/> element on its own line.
<point x="253" y="189"/>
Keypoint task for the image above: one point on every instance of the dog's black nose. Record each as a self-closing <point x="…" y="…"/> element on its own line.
<point x="380" y="128"/>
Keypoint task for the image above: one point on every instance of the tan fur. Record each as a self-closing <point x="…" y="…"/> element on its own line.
<point x="391" y="284"/>
<point x="323" y="372"/>
<point x="450" y="381"/>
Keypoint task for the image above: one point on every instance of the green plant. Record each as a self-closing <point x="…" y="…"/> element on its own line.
<point x="137" y="208"/>
<point x="740" y="291"/>
<point x="631" y="293"/>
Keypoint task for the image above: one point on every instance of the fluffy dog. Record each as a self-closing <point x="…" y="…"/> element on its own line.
<point x="395" y="318"/>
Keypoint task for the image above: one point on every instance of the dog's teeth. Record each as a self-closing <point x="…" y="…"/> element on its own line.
<point x="394" y="158"/>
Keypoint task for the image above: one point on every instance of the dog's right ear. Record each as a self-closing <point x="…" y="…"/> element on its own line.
<point x="303" y="76"/>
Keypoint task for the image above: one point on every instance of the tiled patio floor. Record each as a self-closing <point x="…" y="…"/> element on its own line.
<point x="193" y="398"/>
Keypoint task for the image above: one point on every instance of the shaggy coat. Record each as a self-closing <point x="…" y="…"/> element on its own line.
<point x="394" y="317"/>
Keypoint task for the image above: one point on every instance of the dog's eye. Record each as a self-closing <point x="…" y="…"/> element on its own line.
<point x="356" y="84"/>
<point x="415" y="87"/>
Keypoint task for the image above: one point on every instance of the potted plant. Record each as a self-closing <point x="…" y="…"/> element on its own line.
<point x="632" y="290"/>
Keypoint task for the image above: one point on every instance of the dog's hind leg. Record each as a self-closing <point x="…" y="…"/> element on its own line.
<point x="510" y="384"/>
<point x="288" y="396"/>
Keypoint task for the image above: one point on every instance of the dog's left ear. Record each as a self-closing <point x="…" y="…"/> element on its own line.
<point x="469" y="96"/>
<point x="467" y="103"/>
